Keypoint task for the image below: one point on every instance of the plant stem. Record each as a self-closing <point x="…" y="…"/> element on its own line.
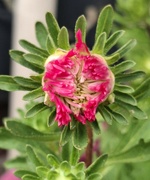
<point x="89" y="148"/>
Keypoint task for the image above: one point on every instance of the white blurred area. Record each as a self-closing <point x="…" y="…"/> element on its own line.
<point x="25" y="14"/>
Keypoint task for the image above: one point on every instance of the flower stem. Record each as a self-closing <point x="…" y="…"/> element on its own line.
<point x="89" y="148"/>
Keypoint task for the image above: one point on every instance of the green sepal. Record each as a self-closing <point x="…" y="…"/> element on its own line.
<point x="50" y="45"/>
<point x="105" y="114"/>
<point x="17" y="56"/>
<point x="35" y="59"/>
<point x="63" y="39"/>
<point x="51" y="117"/>
<point x="123" y="66"/>
<point x="27" y="132"/>
<point x="30" y="177"/>
<point x="26" y="82"/>
<point x="7" y="83"/>
<point x="99" y="45"/>
<point x="34" y="94"/>
<point x="126" y="98"/>
<point x="125" y="48"/>
<point x="123" y="88"/>
<point x="65" y="135"/>
<point x="33" y="49"/>
<point x="33" y="156"/>
<point x="42" y="171"/>
<point x="53" y="161"/>
<point x="80" y="138"/>
<point x="105" y="21"/>
<point x="118" y="117"/>
<point x="81" y="24"/>
<point x="96" y="165"/>
<point x="94" y="176"/>
<point x="53" y="27"/>
<point x="112" y="40"/>
<point x="36" y="109"/>
<point x="112" y="59"/>
<point x="138" y="153"/>
<point x="41" y="34"/>
<point x="133" y="110"/>
<point x="143" y="90"/>
<point x="123" y="78"/>
<point x="21" y="173"/>
<point x="95" y="126"/>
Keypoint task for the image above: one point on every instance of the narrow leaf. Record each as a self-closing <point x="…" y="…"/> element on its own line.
<point x="53" y="27"/>
<point x="105" y="20"/>
<point x="80" y="139"/>
<point x="34" y="94"/>
<point x="127" y="98"/>
<point x="36" y="109"/>
<point x="112" y="59"/>
<point x="81" y="24"/>
<point x="74" y="156"/>
<point x="123" y="66"/>
<point x="17" y="56"/>
<point x="21" y="173"/>
<point x="123" y="88"/>
<point x="125" y="48"/>
<point x="42" y="171"/>
<point x="65" y="135"/>
<point x="97" y="165"/>
<point x="41" y="34"/>
<point x="50" y="45"/>
<point x="53" y="161"/>
<point x="95" y="127"/>
<point x="99" y="44"/>
<point x="32" y="156"/>
<point x="33" y="49"/>
<point x="35" y="59"/>
<point x="7" y="83"/>
<point x="112" y="40"/>
<point x="30" y="177"/>
<point x="63" y="39"/>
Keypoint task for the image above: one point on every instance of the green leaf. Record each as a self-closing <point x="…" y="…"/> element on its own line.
<point x="123" y="88"/>
<point x="42" y="171"/>
<point x="17" y="56"/>
<point x="65" y="135"/>
<point x="65" y="166"/>
<point x="126" y="48"/>
<point x="124" y="66"/>
<point x="81" y="24"/>
<point x="36" y="109"/>
<point x="66" y="149"/>
<point x="53" y="175"/>
<point x="105" y="21"/>
<point x="53" y="161"/>
<point x="50" y="45"/>
<point x="33" y="49"/>
<point x="53" y="27"/>
<point x="32" y="156"/>
<point x="21" y="173"/>
<point x="63" y="39"/>
<point x="118" y="117"/>
<point x="35" y="59"/>
<point x="127" y="98"/>
<point x="143" y="90"/>
<point x="7" y="83"/>
<point x="112" y="59"/>
<point x="74" y="156"/>
<point x="99" y="44"/>
<point x="41" y="34"/>
<point x="24" y="131"/>
<point x="51" y="118"/>
<point x="26" y="82"/>
<point x="80" y="139"/>
<point x="133" y="110"/>
<point x="95" y="127"/>
<point x="33" y="94"/>
<point x="30" y="177"/>
<point x="94" y="176"/>
<point x="112" y="40"/>
<point x="106" y="114"/>
<point x="18" y="162"/>
<point x="80" y="166"/>
<point x="138" y="153"/>
<point x="97" y="165"/>
<point x="129" y="76"/>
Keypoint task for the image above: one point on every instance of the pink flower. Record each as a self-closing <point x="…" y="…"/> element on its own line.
<point x="76" y="81"/>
